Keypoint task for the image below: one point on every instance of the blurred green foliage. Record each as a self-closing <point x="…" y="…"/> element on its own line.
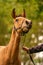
<point x="34" y="11"/>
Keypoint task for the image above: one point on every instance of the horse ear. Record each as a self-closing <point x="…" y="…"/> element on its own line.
<point x="24" y="14"/>
<point x="13" y="13"/>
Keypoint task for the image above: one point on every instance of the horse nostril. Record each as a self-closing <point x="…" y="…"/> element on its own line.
<point x="31" y="22"/>
<point x="27" y="22"/>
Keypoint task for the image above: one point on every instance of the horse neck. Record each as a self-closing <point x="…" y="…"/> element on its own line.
<point x="13" y="46"/>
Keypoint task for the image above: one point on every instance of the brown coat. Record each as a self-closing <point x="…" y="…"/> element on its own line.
<point x="9" y="54"/>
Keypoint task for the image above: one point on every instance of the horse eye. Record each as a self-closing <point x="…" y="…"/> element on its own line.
<point x="16" y="20"/>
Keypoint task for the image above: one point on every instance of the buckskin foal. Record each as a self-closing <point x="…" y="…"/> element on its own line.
<point x="9" y="54"/>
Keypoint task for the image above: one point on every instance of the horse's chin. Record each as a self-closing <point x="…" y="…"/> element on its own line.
<point x="25" y="32"/>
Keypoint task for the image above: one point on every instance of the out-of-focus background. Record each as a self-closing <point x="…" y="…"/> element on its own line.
<point x="34" y="12"/>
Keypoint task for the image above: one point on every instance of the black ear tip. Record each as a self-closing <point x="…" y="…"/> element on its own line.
<point x="13" y="13"/>
<point x="24" y="14"/>
<point x="23" y="9"/>
<point x="13" y="9"/>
